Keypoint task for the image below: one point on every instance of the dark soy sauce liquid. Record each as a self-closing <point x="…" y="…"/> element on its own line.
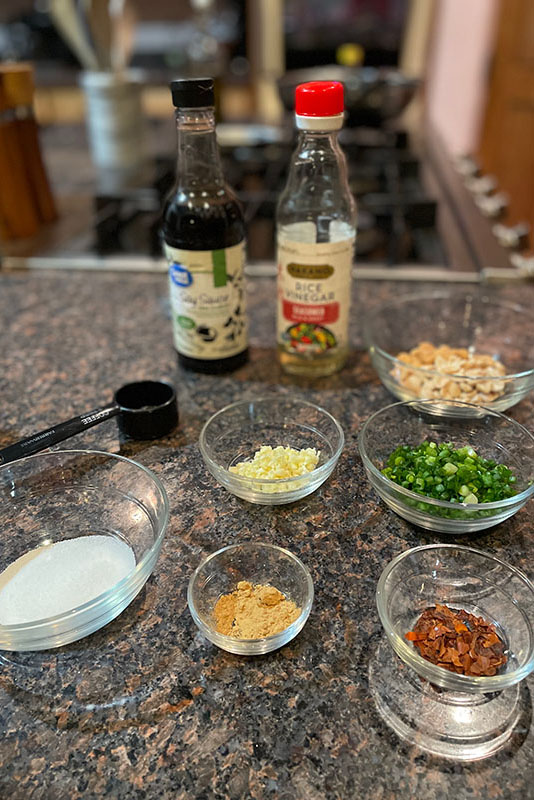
<point x="219" y="226"/>
<point x="202" y="212"/>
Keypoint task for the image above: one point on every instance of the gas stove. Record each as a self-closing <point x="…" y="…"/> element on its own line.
<point x="396" y="215"/>
<point x="418" y="217"/>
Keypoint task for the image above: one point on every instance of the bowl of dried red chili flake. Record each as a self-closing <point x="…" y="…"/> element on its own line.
<point x="459" y="640"/>
<point x="460" y="617"/>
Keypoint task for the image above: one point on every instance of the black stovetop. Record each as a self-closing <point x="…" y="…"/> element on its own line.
<point x="396" y="222"/>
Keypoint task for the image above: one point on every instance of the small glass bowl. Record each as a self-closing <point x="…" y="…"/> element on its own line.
<point x="456" y="716"/>
<point x="491" y="434"/>
<point x="472" y="321"/>
<point x="51" y="497"/>
<point x="256" y="562"/>
<point x="458" y="577"/>
<point x="237" y="431"/>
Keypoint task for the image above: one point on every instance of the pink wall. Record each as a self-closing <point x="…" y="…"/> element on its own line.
<point x="459" y="57"/>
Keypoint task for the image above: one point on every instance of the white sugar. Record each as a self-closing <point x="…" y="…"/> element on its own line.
<point x="56" y="578"/>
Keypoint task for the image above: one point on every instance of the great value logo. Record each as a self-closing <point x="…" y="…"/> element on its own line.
<point x="180" y="275"/>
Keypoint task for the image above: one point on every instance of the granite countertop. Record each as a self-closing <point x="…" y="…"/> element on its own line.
<point x="147" y="707"/>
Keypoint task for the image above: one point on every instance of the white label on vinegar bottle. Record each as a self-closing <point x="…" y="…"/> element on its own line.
<point x="314" y="287"/>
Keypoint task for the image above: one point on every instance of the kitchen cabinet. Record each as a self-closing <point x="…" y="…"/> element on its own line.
<point x="508" y="132"/>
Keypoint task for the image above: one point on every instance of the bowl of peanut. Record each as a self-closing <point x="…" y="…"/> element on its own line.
<point x="455" y="346"/>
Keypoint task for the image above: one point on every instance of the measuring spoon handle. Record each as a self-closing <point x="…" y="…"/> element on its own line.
<point x="58" y="433"/>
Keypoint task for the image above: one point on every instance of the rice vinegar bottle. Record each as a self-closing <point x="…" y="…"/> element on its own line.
<point x="316" y="231"/>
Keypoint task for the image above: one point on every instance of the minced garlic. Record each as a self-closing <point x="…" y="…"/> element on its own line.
<point x="278" y="462"/>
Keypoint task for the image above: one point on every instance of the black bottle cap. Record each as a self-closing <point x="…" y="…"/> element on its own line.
<point x="192" y="93"/>
<point x="148" y="409"/>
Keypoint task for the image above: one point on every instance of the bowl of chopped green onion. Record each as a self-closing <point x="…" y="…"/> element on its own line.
<point x="445" y="470"/>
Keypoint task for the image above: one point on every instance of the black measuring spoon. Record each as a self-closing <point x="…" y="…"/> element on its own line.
<point x="145" y="410"/>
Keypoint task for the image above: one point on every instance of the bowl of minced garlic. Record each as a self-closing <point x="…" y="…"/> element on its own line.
<point x="250" y="598"/>
<point x="271" y="450"/>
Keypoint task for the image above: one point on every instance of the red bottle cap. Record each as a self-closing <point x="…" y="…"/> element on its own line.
<point x="319" y="99"/>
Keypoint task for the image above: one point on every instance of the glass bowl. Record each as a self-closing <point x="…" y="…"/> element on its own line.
<point x="255" y="562"/>
<point x="491" y="434"/>
<point x="459" y="577"/>
<point x="237" y="431"/>
<point x="472" y="321"/>
<point x="460" y="716"/>
<point x="60" y="495"/>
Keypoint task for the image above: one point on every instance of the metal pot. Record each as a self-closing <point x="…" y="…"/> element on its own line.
<point x="371" y="95"/>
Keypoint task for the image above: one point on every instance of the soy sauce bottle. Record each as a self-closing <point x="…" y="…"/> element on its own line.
<point x="204" y="242"/>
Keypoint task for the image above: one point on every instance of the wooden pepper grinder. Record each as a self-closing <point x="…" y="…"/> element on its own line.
<point x="25" y="197"/>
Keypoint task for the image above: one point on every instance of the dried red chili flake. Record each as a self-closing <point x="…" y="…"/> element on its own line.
<point x="458" y="641"/>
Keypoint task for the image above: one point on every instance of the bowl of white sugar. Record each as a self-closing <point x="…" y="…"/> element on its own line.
<point x="81" y="533"/>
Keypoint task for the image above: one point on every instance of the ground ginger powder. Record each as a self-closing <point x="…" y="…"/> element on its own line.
<point x="253" y="611"/>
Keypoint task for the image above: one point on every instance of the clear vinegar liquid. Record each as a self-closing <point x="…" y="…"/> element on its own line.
<point x="314" y="366"/>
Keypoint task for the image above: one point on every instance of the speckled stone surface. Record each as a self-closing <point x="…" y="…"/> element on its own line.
<point x="147" y="707"/>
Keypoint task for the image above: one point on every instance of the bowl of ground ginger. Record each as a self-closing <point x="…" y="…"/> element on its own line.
<point x="250" y="598"/>
<point x="453" y="345"/>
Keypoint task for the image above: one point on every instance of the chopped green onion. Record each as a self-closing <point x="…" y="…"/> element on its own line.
<point x="450" y="469"/>
<point x="456" y="475"/>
